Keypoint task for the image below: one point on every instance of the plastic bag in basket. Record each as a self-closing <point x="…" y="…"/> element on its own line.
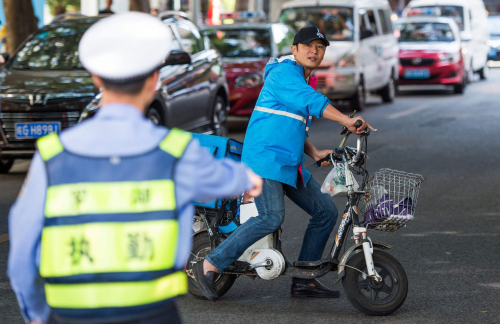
<point x="335" y="182"/>
<point x="381" y="206"/>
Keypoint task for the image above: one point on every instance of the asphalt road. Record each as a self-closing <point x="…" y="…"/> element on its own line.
<point x="450" y="251"/>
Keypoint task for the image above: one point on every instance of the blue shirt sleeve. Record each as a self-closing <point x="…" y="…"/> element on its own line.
<point x="26" y="221"/>
<point x="200" y="177"/>
<point x="289" y="87"/>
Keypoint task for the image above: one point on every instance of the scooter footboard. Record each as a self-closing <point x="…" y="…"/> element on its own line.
<point x="304" y="273"/>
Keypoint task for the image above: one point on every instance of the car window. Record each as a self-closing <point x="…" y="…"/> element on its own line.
<point x="280" y="39"/>
<point x="455" y="12"/>
<point x="494" y="25"/>
<point x="383" y="22"/>
<point x="175" y="44"/>
<point x="51" y="49"/>
<point x="425" y="32"/>
<point x="388" y="19"/>
<point x="372" y="22"/>
<point x="336" y="22"/>
<point x="244" y="42"/>
<point x="190" y="42"/>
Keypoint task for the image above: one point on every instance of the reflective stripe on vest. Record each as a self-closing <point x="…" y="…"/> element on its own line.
<point x="281" y="113"/>
<point x="111" y="197"/>
<point x="110" y="244"/>
<point x="49" y="146"/>
<point x="108" y="247"/>
<point x="118" y="294"/>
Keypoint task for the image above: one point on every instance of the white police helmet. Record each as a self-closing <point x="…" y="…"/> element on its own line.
<point x="125" y="46"/>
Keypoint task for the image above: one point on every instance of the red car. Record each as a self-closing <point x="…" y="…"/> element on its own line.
<point x="246" y="48"/>
<point x="430" y="52"/>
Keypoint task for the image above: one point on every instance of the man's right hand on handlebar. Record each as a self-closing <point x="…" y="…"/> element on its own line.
<point x="349" y="123"/>
<point x="332" y="113"/>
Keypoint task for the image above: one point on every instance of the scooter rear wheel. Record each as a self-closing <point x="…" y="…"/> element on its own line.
<point x="201" y="248"/>
<point x="369" y="297"/>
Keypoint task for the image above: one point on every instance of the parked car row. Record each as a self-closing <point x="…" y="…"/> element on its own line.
<point x="219" y="70"/>
<point x="45" y="88"/>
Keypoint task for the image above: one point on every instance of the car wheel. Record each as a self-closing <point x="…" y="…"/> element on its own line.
<point x="358" y="98"/>
<point x="5" y="166"/>
<point x="459" y="88"/>
<point x="154" y="115"/>
<point x="484" y="72"/>
<point x="389" y="91"/>
<point x="219" y="117"/>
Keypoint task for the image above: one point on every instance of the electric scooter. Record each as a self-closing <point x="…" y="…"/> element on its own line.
<point x="374" y="281"/>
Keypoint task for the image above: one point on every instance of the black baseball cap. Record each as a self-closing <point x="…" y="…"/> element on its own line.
<point x="308" y="34"/>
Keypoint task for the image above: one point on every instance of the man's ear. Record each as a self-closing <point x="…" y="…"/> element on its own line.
<point x="294" y="49"/>
<point x="97" y="81"/>
<point x="152" y="80"/>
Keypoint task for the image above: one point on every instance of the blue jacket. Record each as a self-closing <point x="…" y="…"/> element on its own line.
<point x="274" y="142"/>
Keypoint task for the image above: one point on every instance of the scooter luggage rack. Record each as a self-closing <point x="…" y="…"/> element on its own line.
<point x="391" y="199"/>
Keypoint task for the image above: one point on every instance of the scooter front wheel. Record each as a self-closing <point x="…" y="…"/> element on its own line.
<point x="201" y="248"/>
<point x="370" y="297"/>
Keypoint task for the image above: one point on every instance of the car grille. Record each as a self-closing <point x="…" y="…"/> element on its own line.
<point x="9" y="120"/>
<point x="409" y="62"/>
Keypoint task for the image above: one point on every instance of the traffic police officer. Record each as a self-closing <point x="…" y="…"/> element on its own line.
<point x="101" y="230"/>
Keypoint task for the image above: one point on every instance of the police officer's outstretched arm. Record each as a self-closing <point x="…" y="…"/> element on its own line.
<point x="207" y="178"/>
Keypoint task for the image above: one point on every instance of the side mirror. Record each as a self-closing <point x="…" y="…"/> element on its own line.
<point x="177" y="57"/>
<point x="4" y="57"/>
<point x="365" y="34"/>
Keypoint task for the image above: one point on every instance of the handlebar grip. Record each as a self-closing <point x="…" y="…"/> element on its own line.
<point x="317" y="164"/>
<point x="358" y="123"/>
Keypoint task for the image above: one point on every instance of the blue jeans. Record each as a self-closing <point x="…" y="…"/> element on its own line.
<point x="271" y="207"/>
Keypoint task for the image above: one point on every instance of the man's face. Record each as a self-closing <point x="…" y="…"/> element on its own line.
<point x="309" y="55"/>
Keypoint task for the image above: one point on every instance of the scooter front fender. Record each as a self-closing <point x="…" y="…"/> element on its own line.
<point x="353" y="250"/>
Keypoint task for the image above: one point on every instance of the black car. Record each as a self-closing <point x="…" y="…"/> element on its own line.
<point x="44" y="88"/>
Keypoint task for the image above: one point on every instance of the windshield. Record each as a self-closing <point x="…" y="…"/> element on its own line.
<point x="494" y="26"/>
<point x="53" y="49"/>
<point x="337" y="23"/>
<point x="241" y="42"/>
<point x="455" y="12"/>
<point x="424" y="32"/>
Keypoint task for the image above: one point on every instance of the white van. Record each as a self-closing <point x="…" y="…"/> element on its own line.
<point x="363" y="55"/>
<point x="472" y="18"/>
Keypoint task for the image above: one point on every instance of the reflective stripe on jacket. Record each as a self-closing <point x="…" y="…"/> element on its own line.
<point x="110" y="236"/>
<point x="274" y="141"/>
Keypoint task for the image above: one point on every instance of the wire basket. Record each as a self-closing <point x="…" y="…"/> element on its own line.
<point x="391" y="199"/>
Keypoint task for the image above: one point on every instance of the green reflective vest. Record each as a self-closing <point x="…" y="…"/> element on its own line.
<point x="108" y="247"/>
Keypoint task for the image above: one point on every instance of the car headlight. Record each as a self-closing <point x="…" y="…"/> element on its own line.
<point x="348" y="60"/>
<point x="449" y="57"/>
<point x="91" y="108"/>
<point x="249" y="80"/>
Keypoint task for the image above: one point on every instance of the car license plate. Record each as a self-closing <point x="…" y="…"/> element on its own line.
<point x="417" y="74"/>
<point x="36" y="130"/>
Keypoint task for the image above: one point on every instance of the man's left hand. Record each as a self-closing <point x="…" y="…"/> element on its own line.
<point x="322" y="154"/>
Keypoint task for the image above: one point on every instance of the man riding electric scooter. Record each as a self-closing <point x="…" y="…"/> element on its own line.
<point x="275" y="143"/>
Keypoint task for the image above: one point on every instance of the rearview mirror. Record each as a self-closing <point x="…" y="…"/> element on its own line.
<point x="177" y="57"/>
